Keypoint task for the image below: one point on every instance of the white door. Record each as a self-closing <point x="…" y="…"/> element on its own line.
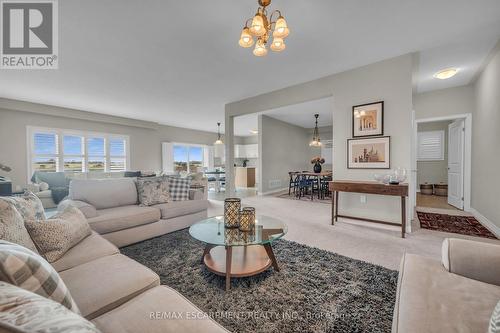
<point x="456" y="163"/>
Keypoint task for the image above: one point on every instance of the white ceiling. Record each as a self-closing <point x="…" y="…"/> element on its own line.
<point x="298" y="114"/>
<point x="178" y="62"/>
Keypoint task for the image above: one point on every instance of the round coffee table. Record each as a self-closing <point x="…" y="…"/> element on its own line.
<point x="230" y="252"/>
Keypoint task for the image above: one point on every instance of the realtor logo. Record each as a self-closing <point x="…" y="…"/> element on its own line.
<point x="29" y="34"/>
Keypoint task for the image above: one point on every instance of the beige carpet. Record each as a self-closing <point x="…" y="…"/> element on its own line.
<point x="309" y="223"/>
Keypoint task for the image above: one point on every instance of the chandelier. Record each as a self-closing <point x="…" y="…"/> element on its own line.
<point x="262" y="27"/>
<point x="316" y="141"/>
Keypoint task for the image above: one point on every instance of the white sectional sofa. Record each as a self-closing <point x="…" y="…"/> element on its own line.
<point x="457" y="294"/>
<point x="112" y="210"/>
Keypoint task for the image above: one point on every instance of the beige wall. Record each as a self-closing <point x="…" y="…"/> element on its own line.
<point x="434" y="172"/>
<point x="486" y="142"/>
<point x="445" y="102"/>
<point x="390" y="81"/>
<point x="285" y="147"/>
<point x="145" y="143"/>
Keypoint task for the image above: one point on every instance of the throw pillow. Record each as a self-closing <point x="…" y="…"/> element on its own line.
<point x="152" y="191"/>
<point x="44" y="186"/>
<point x="179" y="188"/>
<point x="495" y="320"/>
<point x="12" y="227"/>
<point x="25" y="269"/>
<point x="22" y="311"/>
<point x="55" y="236"/>
<point x="28" y="205"/>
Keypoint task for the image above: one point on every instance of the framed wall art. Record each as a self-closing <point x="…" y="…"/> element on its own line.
<point x="368" y="120"/>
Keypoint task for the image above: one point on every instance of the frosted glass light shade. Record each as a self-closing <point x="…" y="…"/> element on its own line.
<point x="278" y="44"/>
<point x="257" y="28"/>
<point x="260" y="48"/>
<point x="246" y="39"/>
<point x="281" y="28"/>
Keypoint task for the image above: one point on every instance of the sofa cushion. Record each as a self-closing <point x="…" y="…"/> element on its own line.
<point x="180" y="208"/>
<point x="26" y="269"/>
<point x="12" y="228"/>
<point x="91" y="248"/>
<point x="87" y="209"/>
<point x="431" y="299"/>
<point x="22" y="311"/>
<point x="495" y="320"/>
<point x="103" y="284"/>
<point x="152" y="191"/>
<point x="104" y="193"/>
<point x="179" y="188"/>
<point x="119" y="218"/>
<point x="144" y="314"/>
<point x="55" y="236"/>
<point x="54" y="179"/>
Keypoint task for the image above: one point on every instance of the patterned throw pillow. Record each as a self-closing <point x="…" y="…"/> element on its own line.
<point x="22" y="311"/>
<point x="25" y="269"/>
<point x="55" y="236"/>
<point x="495" y="320"/>
<point x="12" y="227"/>
<point x="28" y="205"/>
<point x="152" y="191"/>
<point x="179" y="188"/>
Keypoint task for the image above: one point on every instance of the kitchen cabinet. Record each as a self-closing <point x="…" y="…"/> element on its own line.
<point x="244" y="177"/>
<point x="246" y="151"/>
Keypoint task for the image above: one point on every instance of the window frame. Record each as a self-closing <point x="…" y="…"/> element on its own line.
<point x="188" y="145"/>
<point x="60" y="133"/>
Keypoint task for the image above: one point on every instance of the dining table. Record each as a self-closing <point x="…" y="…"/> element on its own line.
<point x="217" y="175"/>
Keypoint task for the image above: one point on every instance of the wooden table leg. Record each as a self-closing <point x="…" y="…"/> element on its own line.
<point x="336" y="205"/>
<point x="208" y="247"/>
<point x="271" y="256"/>
<point x="403" y="216"/>
<point x="333" y="206"/>
<point x="319" y="187"/>
<point x="229" y="255"/>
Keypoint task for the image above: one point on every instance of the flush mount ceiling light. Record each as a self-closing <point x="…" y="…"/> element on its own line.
<point x="446" y="73"/>
<point x="219" y="140"/>
<point x="316" y="140"/>
<point x="254" y="131"/>
<point x="262" y="27"/>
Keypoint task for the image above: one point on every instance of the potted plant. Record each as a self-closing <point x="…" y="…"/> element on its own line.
<point x="317" y="161"/>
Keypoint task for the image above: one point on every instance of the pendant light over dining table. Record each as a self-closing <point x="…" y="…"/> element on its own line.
<point x="316" y="140"/>
<point x="262" y="26"/>
<point x="219" y="139"/>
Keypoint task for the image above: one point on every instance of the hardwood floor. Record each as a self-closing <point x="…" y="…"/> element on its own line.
<point x="434" y="201"/>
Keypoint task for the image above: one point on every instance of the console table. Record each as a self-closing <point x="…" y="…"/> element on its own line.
<point x="368" y="187"/>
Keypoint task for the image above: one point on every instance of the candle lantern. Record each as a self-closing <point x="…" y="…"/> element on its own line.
<point x="247" y="219"/>
<point x="231" y="236"/>
<point x="232" y="208"/>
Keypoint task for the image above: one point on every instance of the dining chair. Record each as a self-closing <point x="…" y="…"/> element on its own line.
<point x="305" y="186"/>
<point x="325" y="190"/>
<point x="294" y="181"/>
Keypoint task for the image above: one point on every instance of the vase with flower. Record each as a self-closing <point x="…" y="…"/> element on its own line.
<point x="317" y="161"/>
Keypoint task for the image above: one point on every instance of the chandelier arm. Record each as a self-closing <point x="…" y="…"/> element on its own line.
<point x="271" y="16"/>
<point x="246" y="22"/>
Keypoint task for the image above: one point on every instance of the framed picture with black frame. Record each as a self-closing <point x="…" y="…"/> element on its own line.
<point x="369" y="153"/>
<point x="368" y="120"/>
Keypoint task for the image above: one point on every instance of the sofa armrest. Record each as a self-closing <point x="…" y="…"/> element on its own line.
<point x="87" y="209"/>
<point x="196" y="194"/>
<point x="475" y="260"/>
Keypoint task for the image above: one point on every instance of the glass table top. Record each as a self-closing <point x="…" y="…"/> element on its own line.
<point x="212" y="231"/>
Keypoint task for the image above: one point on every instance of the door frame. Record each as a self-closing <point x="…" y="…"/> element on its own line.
<point x="467" y="153"/>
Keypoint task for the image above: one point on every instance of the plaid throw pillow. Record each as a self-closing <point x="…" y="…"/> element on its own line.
<point x="179" y="188"/>
<point x="495" y="320"/>
<point x="25" y="269"/>
<point x="22" y="311"/>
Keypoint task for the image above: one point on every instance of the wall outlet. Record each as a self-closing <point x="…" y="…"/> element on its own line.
<point x="275" y="183"/>
<point x="362" y="199"/>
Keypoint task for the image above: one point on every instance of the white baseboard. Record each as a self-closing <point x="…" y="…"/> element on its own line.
<point x="485" y="222"/>
<point x="274" y="191"/>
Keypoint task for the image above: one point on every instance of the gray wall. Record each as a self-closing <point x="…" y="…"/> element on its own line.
<point x="434" y="172"/>
<point x="285" y="147"/>
<point x="145" y="143"/>
<point x="445" y="102"/>
<point x="486" y="142"/>
<point x="390" y="81"/>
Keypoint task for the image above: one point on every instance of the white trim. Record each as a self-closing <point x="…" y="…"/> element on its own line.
<point x="485" y="222"/>
<point x="61" y="132"/>
<point x="273" y="191"/>
<point x="467" y="153"/>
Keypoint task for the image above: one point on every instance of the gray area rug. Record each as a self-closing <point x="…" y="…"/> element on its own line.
<point x="315" y="290"/>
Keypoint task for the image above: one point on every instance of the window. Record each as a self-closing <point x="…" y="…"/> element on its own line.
<point x="188" y="158"/>
<point x="73" y="151"/>
<point x="430" y="146"/>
